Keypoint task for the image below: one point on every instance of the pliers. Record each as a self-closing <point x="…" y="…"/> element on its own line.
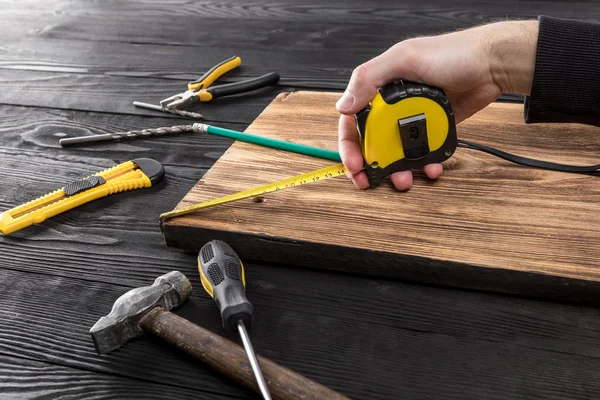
<point x="199" y="90"/>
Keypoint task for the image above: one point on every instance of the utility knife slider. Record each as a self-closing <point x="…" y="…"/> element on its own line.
<point x="406" y="126"/>
<point x="130" y="175"/>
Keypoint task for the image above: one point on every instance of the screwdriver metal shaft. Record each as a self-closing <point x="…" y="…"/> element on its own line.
<point x="260" y="379"/>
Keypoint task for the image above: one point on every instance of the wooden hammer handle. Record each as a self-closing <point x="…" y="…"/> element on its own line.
<point x="231" y="359"/>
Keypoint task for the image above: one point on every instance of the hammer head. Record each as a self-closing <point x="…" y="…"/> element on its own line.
<point x="168" y="291"/>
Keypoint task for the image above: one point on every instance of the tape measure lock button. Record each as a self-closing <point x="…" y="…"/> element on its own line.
<point x="361" y="121"/>
<point x="406" y="126"/>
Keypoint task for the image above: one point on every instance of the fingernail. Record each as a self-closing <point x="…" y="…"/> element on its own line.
<point x="345" y="102"/>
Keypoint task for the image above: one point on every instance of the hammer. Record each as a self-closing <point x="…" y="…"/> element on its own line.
<point x="146" y="309"/>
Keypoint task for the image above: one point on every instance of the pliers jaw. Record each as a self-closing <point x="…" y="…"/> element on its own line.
<point x="180" y="100"/>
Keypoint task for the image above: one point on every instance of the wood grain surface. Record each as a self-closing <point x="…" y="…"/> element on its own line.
<point x="314" y="45"/>
<point x="483" y="214"/>
<point x="23" y="379"/>
<point x="70" y="68"/>
<point x="346" y="332"/>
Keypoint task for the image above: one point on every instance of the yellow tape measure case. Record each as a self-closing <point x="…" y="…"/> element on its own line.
<point x="406" y="126"/>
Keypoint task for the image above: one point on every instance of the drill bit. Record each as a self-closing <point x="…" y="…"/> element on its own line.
<point x="128" y="135"/>
<point x="175" y="111"/>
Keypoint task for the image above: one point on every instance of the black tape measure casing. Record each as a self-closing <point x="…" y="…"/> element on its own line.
<point x="406" y="126"/>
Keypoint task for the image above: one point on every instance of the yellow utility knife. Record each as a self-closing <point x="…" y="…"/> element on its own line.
<point x="130" y="175"/>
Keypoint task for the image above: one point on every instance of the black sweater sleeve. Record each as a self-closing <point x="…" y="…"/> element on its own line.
<point x="566" y="82"/>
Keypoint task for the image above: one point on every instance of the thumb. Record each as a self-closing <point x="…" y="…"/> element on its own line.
<point x="398" y="62"/>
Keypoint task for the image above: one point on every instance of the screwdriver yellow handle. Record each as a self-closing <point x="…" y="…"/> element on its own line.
<point x="222" y="276"/>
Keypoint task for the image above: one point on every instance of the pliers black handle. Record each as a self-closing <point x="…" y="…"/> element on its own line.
<point x="238" y="87"/>
<point x="199" y="89"/>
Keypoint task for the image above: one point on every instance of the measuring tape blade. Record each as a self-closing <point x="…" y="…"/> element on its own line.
<point x="309" y="177"/>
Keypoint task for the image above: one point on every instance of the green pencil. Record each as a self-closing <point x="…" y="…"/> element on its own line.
<point x="269" y="142"/>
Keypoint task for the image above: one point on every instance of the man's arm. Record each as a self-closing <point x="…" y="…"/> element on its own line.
<point x="473" y="66"/>
<point x="566" y="82"/>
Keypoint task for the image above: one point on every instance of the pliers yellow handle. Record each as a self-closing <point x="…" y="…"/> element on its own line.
<point x="199" y="89"/>
<point x="215" y="73"/>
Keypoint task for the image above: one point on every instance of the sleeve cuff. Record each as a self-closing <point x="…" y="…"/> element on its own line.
<point x="566" y="82"/>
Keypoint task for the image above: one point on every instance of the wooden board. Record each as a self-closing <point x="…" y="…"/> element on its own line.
<point x="485" y="224"/>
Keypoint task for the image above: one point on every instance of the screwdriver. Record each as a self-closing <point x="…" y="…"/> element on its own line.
<point x="222" y="276"/>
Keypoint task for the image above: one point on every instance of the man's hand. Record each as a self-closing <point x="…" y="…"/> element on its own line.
<point x="473" y="67"/>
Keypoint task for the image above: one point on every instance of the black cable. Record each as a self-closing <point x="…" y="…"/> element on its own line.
<point x="530" y="162"/>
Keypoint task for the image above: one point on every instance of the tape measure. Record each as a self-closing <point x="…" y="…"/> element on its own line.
<point x="406" y="126"/>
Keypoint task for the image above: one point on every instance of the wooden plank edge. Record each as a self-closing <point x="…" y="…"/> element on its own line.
<point x="421" y="270"/>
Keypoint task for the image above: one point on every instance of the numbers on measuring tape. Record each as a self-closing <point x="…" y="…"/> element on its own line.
<point x="301" y="181"/>
<point x="314" y="176"/>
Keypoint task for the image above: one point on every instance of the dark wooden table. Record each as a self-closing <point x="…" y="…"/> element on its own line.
<point x="74" y="67"/>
